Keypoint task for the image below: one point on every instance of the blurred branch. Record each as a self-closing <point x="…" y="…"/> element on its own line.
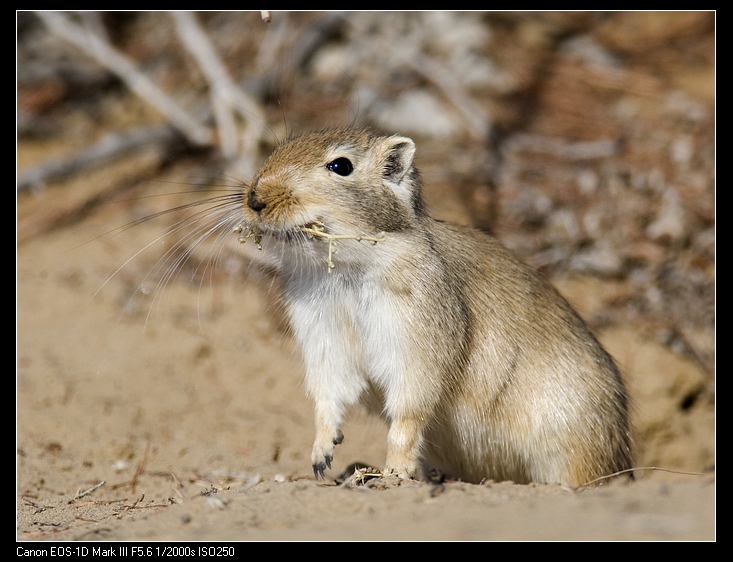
<point x="562" y="148"/>
<point x="111" y="146"/>
<point x="106" y="55"/>
<point x="226" y="96"/>
<point x="475" y="119"/>
<point x="473" y="116"/>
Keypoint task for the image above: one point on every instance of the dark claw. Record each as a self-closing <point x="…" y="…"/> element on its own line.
<point x="339" y="437"/>
<point x="320" y="467"/>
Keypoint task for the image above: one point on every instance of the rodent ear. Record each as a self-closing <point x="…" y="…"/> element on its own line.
<point x="398" y="154"/>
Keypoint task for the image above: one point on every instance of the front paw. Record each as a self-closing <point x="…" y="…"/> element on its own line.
<point x="320" y="466"/>
<point x="322" y="454"/>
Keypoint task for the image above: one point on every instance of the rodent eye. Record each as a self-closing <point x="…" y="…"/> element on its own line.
<point x="341" y="166"/>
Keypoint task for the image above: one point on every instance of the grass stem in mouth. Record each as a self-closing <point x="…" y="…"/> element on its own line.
<point x="239" y="229"/>
<point x="315" y="229"/>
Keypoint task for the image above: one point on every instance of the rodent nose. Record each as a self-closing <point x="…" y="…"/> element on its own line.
<point x="253" y="203"/>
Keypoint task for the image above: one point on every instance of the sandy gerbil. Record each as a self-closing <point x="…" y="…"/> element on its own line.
<point x="481" y="369"/>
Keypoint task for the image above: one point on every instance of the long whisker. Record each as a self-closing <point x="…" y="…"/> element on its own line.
<point x="221" y="199"/>
<point x="219" y="220"/>
<point x="223" y="206"/>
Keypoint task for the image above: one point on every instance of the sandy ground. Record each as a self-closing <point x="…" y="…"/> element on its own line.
<point x="177" y="413"/>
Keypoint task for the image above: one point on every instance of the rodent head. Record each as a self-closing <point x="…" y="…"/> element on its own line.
<point x="349" y="181"/>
